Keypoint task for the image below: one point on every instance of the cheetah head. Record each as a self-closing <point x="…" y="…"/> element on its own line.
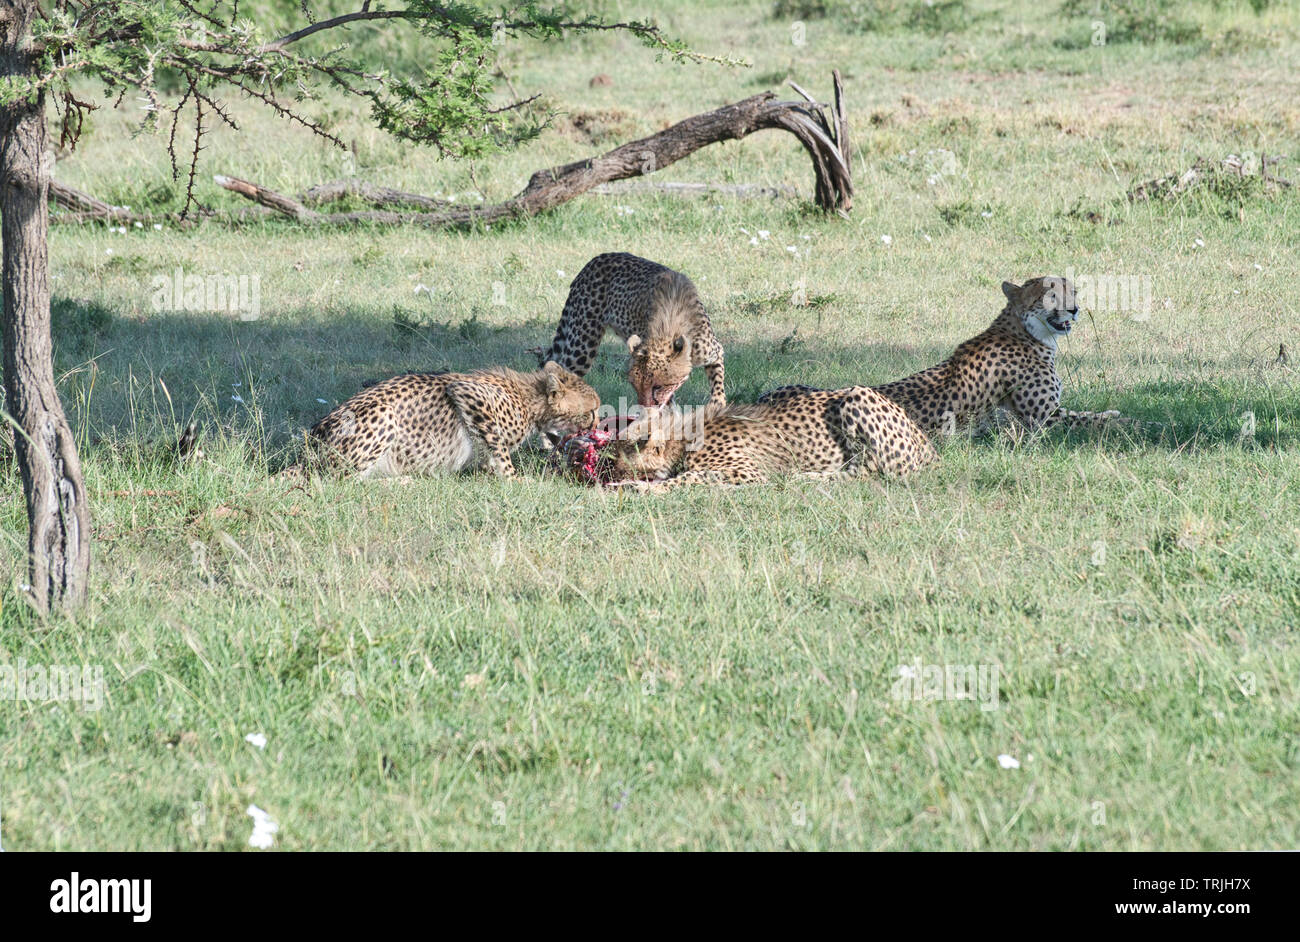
<point x="570" y="405"/>
<point x="646" y="450"/>
<point x="661" y="360"/>
<point x="658" y="367"/>
<point x="1046" y="307"/>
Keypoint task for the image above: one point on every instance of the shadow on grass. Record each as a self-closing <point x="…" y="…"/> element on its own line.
<point x="127" y="382"/>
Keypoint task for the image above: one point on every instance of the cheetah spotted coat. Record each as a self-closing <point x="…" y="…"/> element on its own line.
<point x="843" y="433"/>
<point x="421" y="423"/>
<point x="1011" y="366"/>
<point x="655" y="309"/>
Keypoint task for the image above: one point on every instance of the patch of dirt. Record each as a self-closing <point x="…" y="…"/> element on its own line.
<point x="599" y="126"/>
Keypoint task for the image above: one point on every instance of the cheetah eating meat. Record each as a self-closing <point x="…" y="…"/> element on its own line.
<point x="421" y="423"/>
<point x="656" y="310"/>
<point x="843" y="433"/>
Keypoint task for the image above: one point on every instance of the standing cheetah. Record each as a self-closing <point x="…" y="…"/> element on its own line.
<point x="420" y="423"/>
<point x="656" y="310"/>
<point x="1011" y="366"/>
<point x="843" y="433"/>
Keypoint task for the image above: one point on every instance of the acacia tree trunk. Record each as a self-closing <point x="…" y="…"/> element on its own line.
<point x="57" y="510"/>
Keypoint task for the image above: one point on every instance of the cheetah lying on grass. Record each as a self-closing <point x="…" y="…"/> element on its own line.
<point x="655" y="309"/>
<point x="1011" y="366"/>
<point x="843" y="433"/>
<point x="421" y="423"/>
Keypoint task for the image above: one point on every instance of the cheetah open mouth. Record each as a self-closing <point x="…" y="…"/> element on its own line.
<point x="555" y="432"/>
<point x="660" y="395"/>
<point x="1061" y="325"/>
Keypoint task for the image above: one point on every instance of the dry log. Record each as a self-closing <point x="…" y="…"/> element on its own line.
<point x="1175" y="185"/>
<point x="737" y="190"/>
<point x="824" y="136"/>
<point x="336" y="190"/>
<point x="268" y="198"/>
<point x="825" y="140"/>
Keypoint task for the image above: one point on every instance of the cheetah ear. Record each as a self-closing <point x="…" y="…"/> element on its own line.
<point x="633" y="342"/>
<point x="552" y="383"/>
<point x="1010" y="289"/>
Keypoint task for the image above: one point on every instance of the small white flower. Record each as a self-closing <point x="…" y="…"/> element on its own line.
<point x="264" y="829"/>
<point x="744" y="230"/>
<point x="237" y="398"/>
<point x="1008" y="762"/>
<point x="1199" y="243"/>
<point x="886" y="239"/>
<point x="986" y="214"/>
<point x="754" y="240"/>
<point x="805" y="237"/>
<point x="423" y="287"/>
<point x="108" y="251"/>
<point x="1258" y="267"/>
<point x="763" y="233"/>
<point x="323" y="402"/>
<point x="926" y="237"/>
<point x="559" y="272"/>
<point x="257" y="739"/>
<point x="157" y="227"/>
<point x="139" y="225"/>
<point x="792" y="249"/>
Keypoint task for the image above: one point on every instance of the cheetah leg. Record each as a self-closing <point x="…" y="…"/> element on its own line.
<point x="573" y="349"/>
<point x="850" y="472"/>
<point x="730" y="477"/>
<point x="496" y="449"/>
<point x="717" y="393"/>
<point x="880" y="442"/>
<point x="1088" y="420"/>
<point x="1034" y="410"/>
<point x="490" y="443"/>
<point x="474" y="404"/>
<point x="382" y="467"/>
<point x="715" y="477"/>
<point x="498" y="461"/>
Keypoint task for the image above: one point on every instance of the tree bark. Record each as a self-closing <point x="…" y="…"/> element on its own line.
<point x="57" y="510"/>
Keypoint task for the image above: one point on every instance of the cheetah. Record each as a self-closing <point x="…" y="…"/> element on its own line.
<point x="655" y="310"/>
<point x="843" y="433"/>
<point x="421" y="423"/>
<point x="1010" y="366"/>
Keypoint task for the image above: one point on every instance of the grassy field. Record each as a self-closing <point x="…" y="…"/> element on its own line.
<point x="470" y="663"/>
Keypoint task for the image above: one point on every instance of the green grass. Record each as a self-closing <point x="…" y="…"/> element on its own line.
<point x="468" y="663"/>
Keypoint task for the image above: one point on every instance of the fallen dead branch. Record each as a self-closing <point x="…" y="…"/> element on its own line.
<point x="736" y="190"/>
<point x="822" y="130"/>
<point x="336" y="190"/>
